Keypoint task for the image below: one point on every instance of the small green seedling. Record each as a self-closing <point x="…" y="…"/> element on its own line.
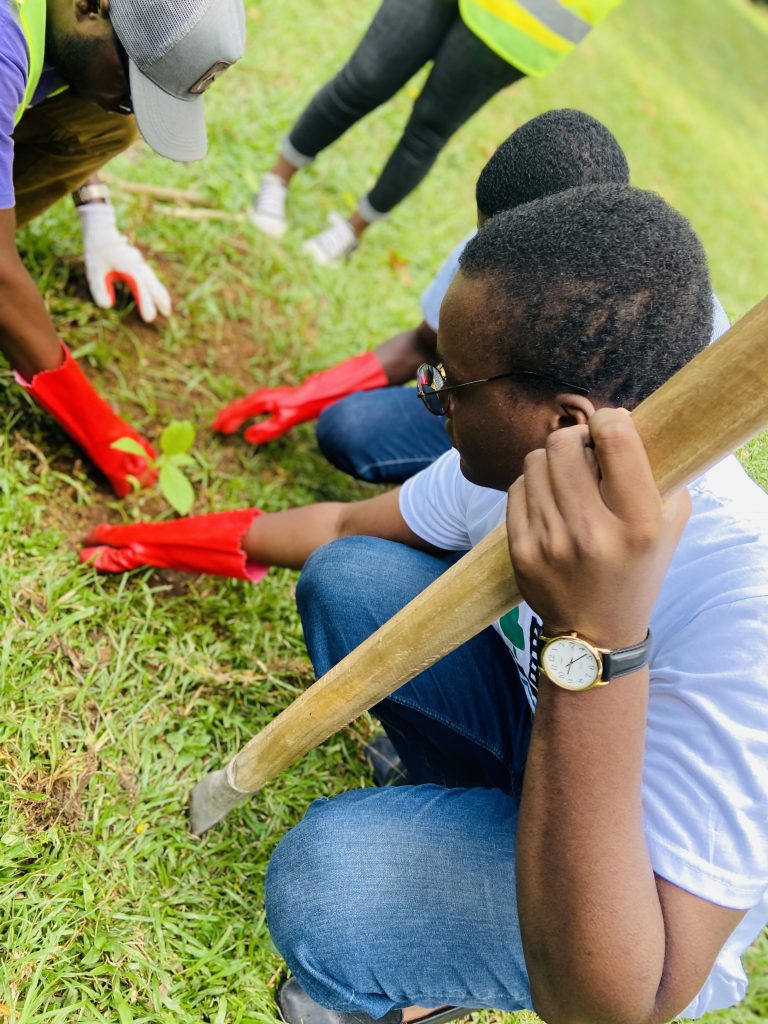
<point x="175" y="442"/>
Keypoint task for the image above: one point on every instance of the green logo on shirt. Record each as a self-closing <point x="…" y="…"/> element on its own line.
<point x="512" y="630"/>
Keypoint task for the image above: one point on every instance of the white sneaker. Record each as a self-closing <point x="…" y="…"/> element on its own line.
<point x="267" y="209"/>
<point x="333" y="244"/>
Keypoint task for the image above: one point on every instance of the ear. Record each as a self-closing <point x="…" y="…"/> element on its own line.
<point x="88" y="8"/>
<point x="568" y="410"/>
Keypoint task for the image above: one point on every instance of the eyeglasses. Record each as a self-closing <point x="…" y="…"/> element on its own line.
<point x="431" y="386"/>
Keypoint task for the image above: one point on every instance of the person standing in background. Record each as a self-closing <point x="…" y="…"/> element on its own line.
<point x="476" y="49"/>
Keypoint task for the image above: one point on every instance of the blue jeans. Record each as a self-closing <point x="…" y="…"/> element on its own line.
<point x="382" y="436"/>
<point x="382" y="898"/>
<point x="403" y="36"/>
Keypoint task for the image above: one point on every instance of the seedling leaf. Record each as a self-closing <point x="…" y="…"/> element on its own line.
<point x="181" y="460"/>
<point x="177" y="490"/>
<point x="177" y="437"/>
<point x="127" y="444"/>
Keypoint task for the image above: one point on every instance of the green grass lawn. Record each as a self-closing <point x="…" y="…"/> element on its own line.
<point x="118" y="693"/>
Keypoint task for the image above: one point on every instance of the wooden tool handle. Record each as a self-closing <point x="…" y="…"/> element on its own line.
<point x="710" y="407"/>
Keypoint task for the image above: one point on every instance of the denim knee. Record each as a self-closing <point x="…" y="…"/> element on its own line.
<point x="343" y="431"/>
<point x="340" y="574"/>
<point x="384" y="898"/>
<point x="327" y="597"/>
<point x="331" y="898"/>
<point x="381" y="436"/>
<point x="295" y="869"/>
<point x="358" y="582"/>
<point x="313" y="913"/>
<point x="349" y="587"/>
<point x="323" y="583"/>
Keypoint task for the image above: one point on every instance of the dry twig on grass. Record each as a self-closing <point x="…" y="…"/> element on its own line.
<point x="176" y="195"/>
<point x="201" y="214"/>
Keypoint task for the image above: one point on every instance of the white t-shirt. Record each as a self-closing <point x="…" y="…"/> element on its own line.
<point x="705" y="775"/>
<point x="432" y="299"/>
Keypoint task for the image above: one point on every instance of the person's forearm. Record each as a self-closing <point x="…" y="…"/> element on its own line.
<point x="606" y="941"/>
<point x="288" y="538"/>
<point x="591" y="920"/>
<point x="28" y="339"/>
<point x="402" y="354"/>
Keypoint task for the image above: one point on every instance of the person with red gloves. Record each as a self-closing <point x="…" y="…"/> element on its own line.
<point x="373" y="430"/>
<point x="76" y="79"/>
<point x="217" y="544"/>
<point x="585" y="824"/>
<point x="386" y="437"/>
<point x="475" y="48"/>
<point x="285" y="407"/>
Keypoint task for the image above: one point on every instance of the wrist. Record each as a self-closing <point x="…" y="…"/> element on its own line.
<point x="573" y="662"/>
<point x="91" y="192"/>
<point x="98" y="223"/>
<point x="96" y="211"/>
<point x="607" y="636"/>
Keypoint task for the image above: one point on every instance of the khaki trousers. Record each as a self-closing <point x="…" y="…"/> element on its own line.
<point x="59" y="144"/>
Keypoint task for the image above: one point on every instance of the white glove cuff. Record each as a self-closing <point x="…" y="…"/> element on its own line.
<point x="98" y="223"/>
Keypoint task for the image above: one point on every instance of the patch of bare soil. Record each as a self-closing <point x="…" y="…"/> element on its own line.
<point x="226" y="348"/>
<point x="55" y="798"/>
<point x="176" y="377"/>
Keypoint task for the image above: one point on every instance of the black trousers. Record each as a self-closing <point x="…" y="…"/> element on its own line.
<point x="403" y="36"/>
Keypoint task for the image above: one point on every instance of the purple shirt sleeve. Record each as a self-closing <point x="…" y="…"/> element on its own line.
<point x="14" y="68"/>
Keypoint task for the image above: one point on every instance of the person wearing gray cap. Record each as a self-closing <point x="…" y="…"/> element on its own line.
<point x="78" y="80"/>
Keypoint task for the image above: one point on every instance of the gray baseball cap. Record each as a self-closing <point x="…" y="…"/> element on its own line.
<point x="176" y="48"/>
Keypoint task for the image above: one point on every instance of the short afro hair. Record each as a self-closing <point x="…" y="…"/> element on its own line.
<point x="552" y="152"/>
<point x="603" y="285"/>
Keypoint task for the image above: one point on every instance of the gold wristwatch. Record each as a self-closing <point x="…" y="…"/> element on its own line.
<point x="574" y="663"/>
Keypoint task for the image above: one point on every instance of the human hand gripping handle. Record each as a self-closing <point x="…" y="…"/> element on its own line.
<point x="589" y="535"/>
<point x="109" y="258"/>
<point x="287" y="406"/>
<point x="208" y="544"/>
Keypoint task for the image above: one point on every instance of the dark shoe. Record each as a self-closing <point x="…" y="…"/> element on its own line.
<point x="296" y="1007"/>
<point x="388" y="769"/>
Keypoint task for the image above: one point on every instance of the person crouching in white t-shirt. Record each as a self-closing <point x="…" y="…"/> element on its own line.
<point x="606" y="857"/>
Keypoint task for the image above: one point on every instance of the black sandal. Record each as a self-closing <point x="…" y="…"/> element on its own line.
<point x="296" y="1007"/>
<point x="388" y="769"/>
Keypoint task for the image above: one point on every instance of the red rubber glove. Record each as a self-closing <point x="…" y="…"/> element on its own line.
<point x="287" y="406"/>
<point x="210" y="544"/>
<point x="67" y="394"/>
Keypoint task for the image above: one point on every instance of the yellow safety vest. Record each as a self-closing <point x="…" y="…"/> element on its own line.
<point x="32" y="20"/>
<point x="533" y="35"/>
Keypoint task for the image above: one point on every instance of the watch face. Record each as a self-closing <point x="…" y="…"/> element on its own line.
<point x="570" y="663"/>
